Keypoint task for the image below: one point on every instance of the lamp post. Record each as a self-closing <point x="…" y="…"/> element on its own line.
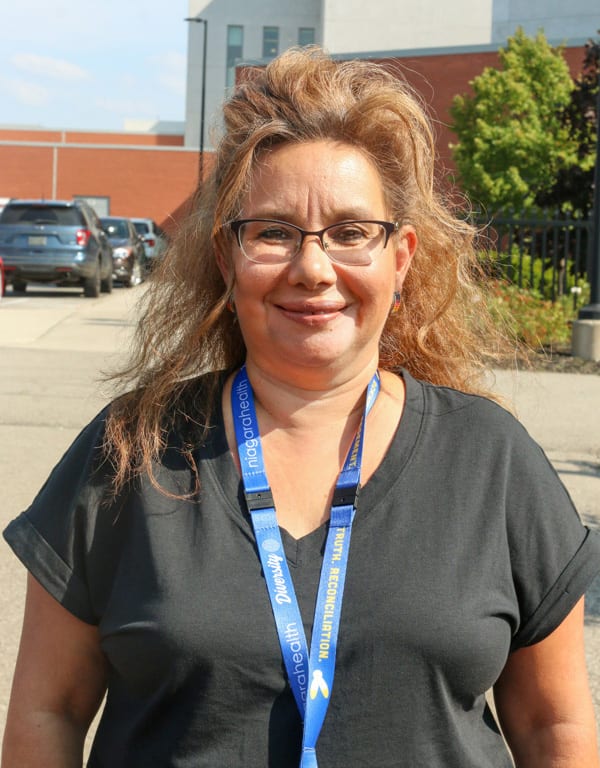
<point x="198" y="20"/>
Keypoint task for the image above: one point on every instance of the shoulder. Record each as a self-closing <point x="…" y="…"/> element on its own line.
<point x="445" y="405"/>
<point x="457" y="427"/>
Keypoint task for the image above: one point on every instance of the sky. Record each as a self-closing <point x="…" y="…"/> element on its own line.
<point x="78" y="64"/>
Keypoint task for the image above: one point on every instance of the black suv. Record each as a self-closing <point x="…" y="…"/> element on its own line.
<point x="55" y="241"/>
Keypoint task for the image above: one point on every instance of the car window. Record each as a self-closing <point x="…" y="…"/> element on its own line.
<point x="115" y="227"/>
<point x="41" y="214"/>
<point x="141" y="227"/>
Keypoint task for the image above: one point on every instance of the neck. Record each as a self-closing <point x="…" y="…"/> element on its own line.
<point x="286" y="403"/>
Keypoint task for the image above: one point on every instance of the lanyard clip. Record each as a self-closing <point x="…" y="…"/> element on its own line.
<point x="345" y="496"/>
<point x="259" y="500"/>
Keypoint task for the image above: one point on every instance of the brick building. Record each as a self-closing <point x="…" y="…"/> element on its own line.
<point x="154" y="175"/>
<point x="121" y="174"/>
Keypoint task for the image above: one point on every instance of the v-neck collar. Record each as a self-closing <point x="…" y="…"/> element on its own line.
<point x="222" y="466"/>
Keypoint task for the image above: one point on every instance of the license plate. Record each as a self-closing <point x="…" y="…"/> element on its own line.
<point x="38" y="240"/>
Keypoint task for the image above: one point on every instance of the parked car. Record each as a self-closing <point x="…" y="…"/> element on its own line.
<point x="128" y="250"/>
<point x="155" y="239"/>
<point x="2" y="279"/>
<point x="55" y="241"/>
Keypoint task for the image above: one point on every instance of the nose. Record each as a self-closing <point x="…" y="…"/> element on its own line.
<point x="312" y="237"/>
<point x="311" y="265"/>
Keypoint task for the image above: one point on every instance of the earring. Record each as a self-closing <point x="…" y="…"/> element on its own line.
<point x="396" y="300"/>
<point x="230" y="303"/>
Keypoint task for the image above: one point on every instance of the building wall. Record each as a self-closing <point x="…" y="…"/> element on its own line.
<point x="384" y="27"/>
<point x="144" y="180"/>
<point x="353" y="25"/>
<point x="288" y="15"/>
<point x="89" y="137"/>
<point x="561" y="21"/>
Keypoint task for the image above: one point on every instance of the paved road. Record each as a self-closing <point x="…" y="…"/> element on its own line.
<point x="53" y="346"/>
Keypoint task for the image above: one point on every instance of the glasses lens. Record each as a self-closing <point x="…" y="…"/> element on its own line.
<point x="269" y="242"/>
<point x="354" y="242"/>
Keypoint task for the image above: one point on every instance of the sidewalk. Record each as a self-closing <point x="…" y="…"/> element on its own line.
<point x="562" y="412"/>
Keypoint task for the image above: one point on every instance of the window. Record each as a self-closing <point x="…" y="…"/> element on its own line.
<point x="42" y="213"/>
<point x="270" y="42"/>
<point x="100" y="204"/>
<point x="306" y="35"/>
<point x="235" y="46"/>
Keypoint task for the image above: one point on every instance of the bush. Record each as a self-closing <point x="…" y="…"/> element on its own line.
<point x="534" y="320"/>
<point x="529" y="273"/>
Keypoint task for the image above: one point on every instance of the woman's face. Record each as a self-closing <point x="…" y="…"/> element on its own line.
<point x="312" y="313"/>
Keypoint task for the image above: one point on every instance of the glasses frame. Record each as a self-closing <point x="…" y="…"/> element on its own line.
<point x="389" y="228"/>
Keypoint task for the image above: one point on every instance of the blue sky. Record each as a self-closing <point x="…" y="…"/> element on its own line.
<point x="92" y="65"/>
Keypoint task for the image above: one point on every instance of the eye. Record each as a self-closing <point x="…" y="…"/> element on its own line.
<point x="271" y="232"/>
<point x="349" y="234"/>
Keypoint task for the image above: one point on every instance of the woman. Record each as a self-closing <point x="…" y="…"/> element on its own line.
<point x="202" y="554"/>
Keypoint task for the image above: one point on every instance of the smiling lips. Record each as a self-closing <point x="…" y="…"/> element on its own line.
<point x="306" y="311"/>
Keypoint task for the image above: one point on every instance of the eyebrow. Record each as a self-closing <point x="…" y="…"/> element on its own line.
<point x="335" y="218"/>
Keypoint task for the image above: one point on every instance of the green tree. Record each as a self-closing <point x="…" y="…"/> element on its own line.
<point x="573" y="189"/>
<point x="511" y="138"/>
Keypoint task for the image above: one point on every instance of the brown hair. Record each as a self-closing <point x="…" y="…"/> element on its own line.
<point x="441" y="334"/>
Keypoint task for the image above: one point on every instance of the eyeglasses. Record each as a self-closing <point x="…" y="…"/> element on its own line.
<point x="352" y="243"/>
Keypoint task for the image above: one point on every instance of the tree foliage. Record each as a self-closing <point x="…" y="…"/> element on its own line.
<point x="573" y="188"/>
<point x="512" y="138"/>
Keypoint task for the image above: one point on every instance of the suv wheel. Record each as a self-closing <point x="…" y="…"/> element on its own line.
<point x="91" y="285"/>
<point x="106" y="285"/>
<point x="19" y="286"/>
<point x="135" y="278"/>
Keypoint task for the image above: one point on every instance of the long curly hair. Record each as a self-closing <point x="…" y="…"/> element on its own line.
<point x="442" y="333"/>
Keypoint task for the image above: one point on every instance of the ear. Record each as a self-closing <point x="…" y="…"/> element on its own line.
<point x="406" y="245"/>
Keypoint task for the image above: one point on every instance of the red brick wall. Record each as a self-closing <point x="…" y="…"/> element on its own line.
<point x="138" y="182"/>
<point x="25" y="171"/>
<point x="90" y="137"/>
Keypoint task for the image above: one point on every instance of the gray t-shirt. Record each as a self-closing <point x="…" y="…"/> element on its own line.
<point x="465" y="546"/>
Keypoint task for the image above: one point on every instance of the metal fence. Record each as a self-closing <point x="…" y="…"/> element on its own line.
<point x="549" y="253"/>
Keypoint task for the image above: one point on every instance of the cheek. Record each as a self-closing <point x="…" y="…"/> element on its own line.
<point x="253" y="282"/>
<point x="375" y="287"/>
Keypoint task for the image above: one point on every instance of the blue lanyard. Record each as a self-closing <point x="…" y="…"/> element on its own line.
<point x="310" y="676"/>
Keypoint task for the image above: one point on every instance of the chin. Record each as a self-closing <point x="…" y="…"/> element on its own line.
<point x="313" y="357"/>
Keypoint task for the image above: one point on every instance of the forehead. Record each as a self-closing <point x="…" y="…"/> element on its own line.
<point x="314" y="178"/>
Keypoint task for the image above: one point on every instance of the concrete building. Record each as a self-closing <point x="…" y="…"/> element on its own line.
<point x="255" y="30"/>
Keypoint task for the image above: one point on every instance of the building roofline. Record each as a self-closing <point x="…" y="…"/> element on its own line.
<point x="448" y="50"/>
<point x="412" y="53"/>
<point x="97" y="131"/>
<point x="69" y="145"/>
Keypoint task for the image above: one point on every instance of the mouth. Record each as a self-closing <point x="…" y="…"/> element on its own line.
<point x="311" y="313"/>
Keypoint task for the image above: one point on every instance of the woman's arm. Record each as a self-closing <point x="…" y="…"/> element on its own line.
<point x="59" y="682"/>
<point x="544" y="703"/>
